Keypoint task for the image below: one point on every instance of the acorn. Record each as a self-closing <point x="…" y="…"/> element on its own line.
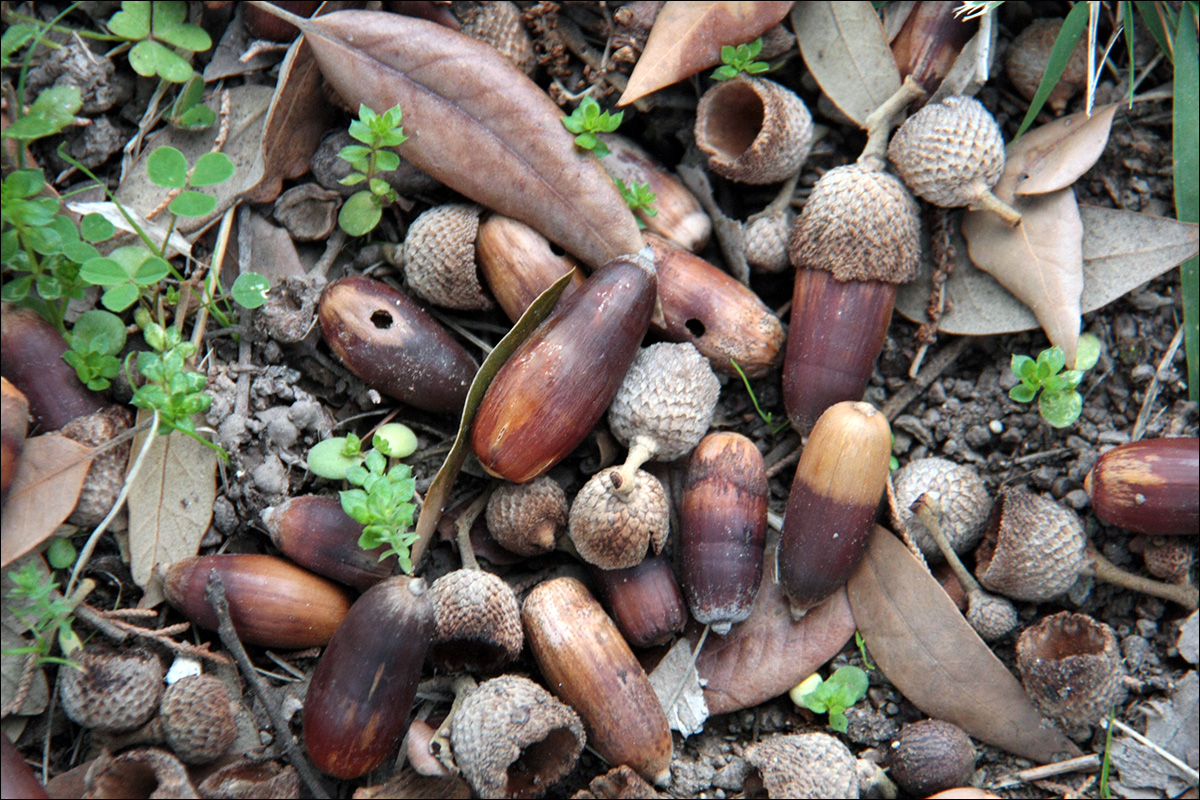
<point x="316" y="533"/>
<point x="765" y="240"/>
<point x="111" y="691"/>
<point x="477" y="622"/>
<point x="145" y="772"/>
<point x="680" y="218"/>
<point x="930" y="756"/>
<point x="387" y="340"/>
<point x="498" y="24"/>
<point x="614" y="518"/>
<point x="1026" y="59"/>
<point x="260" y="780"/>
<point x="357" y="706"/>
<point x="199" y="718"/>
<point x="753" y="130"/>
<point x="272" y="602"/>
<point x="961" y="495"/>
<point x="722" y="317"/>
<point x="589" y="666"/>
<point x="1149" y="486"/>
<point x="1072" y="669"/>
<point x="16" y="778"/>
<point x="555" y="387"/>
<point x="518" y="264"/>
<point x="644" y="600"/>
<point x="723" y="526"/>
<point x="527" y="518"/>
<point x="512" y="738"/>
<point x="14" y="422"/>
<point x="929" y="41"/>
<point x="619" y="783"/>
<point x="856" y="239"/>
<point x="33" y="362"/>
<point x="1032" y="548"/>
<point x="439" y="257"/>
<point x="840" y="478"/>
<point x="804" y="765"/>
<point x="951" y="154"/>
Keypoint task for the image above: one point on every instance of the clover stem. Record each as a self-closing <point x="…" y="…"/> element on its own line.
<point x="1100" y="567"/>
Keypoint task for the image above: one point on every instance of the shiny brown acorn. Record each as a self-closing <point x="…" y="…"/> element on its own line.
<point x="929" y="41"/>
<point x="590" y="667"/>
<point x="316" y="533"/>
<point x="644" y="600"/>
<point x="357" y="706"/>
<point x="385" y="338"/>
<point x="16" y="778"/>
<point x="272" y="602"/>
<point x="839" y="481"/>
<point x="14" y="422"/>
<point x="1149" y="486"/>
<point x="723" y="524"/>
<point x="856" y="239"/>
<point x="518" y="263"/>
<point x="553" y="390"/>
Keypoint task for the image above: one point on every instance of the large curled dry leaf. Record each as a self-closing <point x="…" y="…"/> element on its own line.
<point x="475" y="122"/>
<point x="770" y="653"/>
<point x="847" y="52"/>
<point x="170" y="507"/>
<point x="925" y="647"/>
<point x="49" y="477"/>
<point x="1056" y="155"/>
<point x="688" y="37"/>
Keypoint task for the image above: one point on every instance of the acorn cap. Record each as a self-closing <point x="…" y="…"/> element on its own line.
<point x="1072" y="669"/>
<point x="526" y="518"/>
<point x="1032" y="548"/>
<point x="619" y="783"/>
<point x="753" y="130"/>
<point x="478" y="622"/>
<point x="111" y="691"/>
<point x="666" y="400"/>
<point x="148" y="772"/>
<point x="106" y="475"/>
<point x="1169" y="558"/>
<point x="765" y="241"/>
<point x="949" y="153"/>
<point x="992" y="617"/>
<point x="961" y="495"/>
<point x="199" y="718"/>
<point x="439" y="257"/>
<point x="512" y="738"/>
<point x="498" y="24"/>
<point x="929" y="756"/>
<point x="858" y="224"/>
<point x="261" y="780"/>
<point x="1026" y="59"/>
<point x="805" y="765"/>
<point x="612" y="530"/>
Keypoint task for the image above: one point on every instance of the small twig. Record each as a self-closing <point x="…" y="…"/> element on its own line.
<point x="214" y="592"/>
<point x="930" y="372"/>
<point x="1193" y="775"/>
<point x="1078" y="764"/>
<point x="118" y="630"/>
<point x="1143" y="417"/>
<point x="214" y="275"/>
<point x="687" y="673"/>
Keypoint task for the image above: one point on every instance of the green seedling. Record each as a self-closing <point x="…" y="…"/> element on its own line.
<point x="187" y="112"/>
<point x="740" y="59"/>
<point x="766" y="416"/>
<point x="95" y="340"/>
<point x="61" y="554"/>
<point x="587" y="120"/>
<point x="862" y="651"/>
<point x="155" y="28"/>
<point x="250" y="290"/>
<point x="842" y="690"/>
<point x="1060" y="404"/>
<point x="640" y="200"/>
<point x="362" y="211"/>
<point x="383" y="506"/>
<point x="332" y="457"/>
<point x="395" y="440"/>
<point x="48" y="615"/>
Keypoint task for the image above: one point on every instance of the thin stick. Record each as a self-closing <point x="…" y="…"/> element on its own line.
<point x="687" y="673"/>
<point x="1078" y="764"/>
<point x="936" y="366"/>
<point x="1192" y="774"/>
<point x="1143" y="417"/>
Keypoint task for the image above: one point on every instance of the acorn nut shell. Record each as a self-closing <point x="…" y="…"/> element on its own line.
<point x="680" y="217"/>
<point x="930" y="756"/>
<point x="804" y="765"/>
<point x="644" y="600"/>
<point x="315" y="532"/>
<point x="753" y="130"/>
<point x="1027" y="56"/>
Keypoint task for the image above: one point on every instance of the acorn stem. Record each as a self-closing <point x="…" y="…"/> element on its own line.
<point x="625" y="478"/>
<point x="1100" y="567"/>
<point x="462" y="529"/>
<point x="989" y="202"/>
<point x="462" y="685"/>
<point x="929" y="511"/>
<point x="881" y="121"/>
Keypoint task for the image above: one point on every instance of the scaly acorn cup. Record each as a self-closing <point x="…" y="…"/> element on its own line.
<point x="753" y="130"/>
<point x="589" y="666"/>
<point x="357" y="706"/>
<point x="553" y="390"/>
<point x="1149" y="486"/>
<point x="856" y="239"/>
<point x="723" y="524"/>
<point x="839" y="481"/>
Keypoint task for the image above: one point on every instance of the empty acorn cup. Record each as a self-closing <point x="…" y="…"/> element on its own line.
<point x="753" y="130"/>
<point x="1032" y="549"/>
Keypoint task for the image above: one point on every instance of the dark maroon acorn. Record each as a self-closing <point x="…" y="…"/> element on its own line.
<point x="723" y="519"/>
<point x="929" y="41"/>
<point x="385" y="338"/>
<point x="1150" y="486"/>
<point x="357" y="706"/>
<point x="553" y="390"/>
<point x="33" y="362"/>
<point x="644" y="601"/>
<point x="16" y="778"/>
<point x="316" y="533"/>
<point x="14" y="422"/>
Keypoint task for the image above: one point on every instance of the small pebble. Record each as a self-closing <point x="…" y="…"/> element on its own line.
<point x="1147" y="627"/>
<point x="936" y="395"/>
<point x="996" y="427"/>
<point x="1078" y="499"/>
<point x="978" y="436"/>
<point x="1142" y="373"/>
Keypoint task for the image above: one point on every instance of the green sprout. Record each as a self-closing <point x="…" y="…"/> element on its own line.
<point x="95" y="340"/>
<point x="383" y="506"/>
<point x="1060" y="404"/>
<point x="843" y="689"/>
<point x="362" y="211"/>
<point x="639" y="198"/>
<point x="740" y="59"/>
<point x="766" y="416"/>
<point x="47" y="614"/>
<point x="862" y="650"/>
<point x="333" y="456"/>
<point x="154" y="29"/>
<point x="187" y="112"/>
<point x="587" y="120"/>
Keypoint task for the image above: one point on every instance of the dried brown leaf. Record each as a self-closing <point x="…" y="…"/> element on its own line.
<point x="170" y="507"/>
<point x="770" y="653"/>
<point x="688" y="37"/>
<point x="478" y="124"/>
<point x="846" y="50"/>
<point x="1055" y="155"/>
<point x="925" y="647"/>
<point x="43" y="493"/>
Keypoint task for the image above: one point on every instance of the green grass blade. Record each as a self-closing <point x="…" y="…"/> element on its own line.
<point x="1187" y="173"/>
<point x="1128" y="15"/>
<point x="1153" y="15"/>
<point x="1064" y="45"/>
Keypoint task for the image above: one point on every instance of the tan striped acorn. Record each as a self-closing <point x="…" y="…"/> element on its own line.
<point x="1149" y="486"/>
<point x="518" y="264"/>
<point x="357" y="706"/>
<point x="839" y="482"/>
<point x="723" y="523"/>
